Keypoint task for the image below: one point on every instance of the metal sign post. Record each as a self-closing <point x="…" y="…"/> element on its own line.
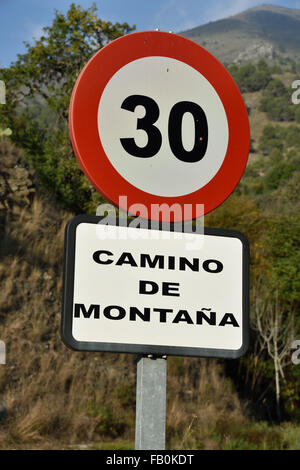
<point x="151" y="403"/>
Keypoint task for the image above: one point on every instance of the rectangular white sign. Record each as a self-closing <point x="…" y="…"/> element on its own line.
<point x="155" y="292"/>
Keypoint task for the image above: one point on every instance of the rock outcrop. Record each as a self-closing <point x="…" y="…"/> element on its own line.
<point x="16" y="183"/>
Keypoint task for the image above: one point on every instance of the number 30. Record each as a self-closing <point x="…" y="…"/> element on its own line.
<point x="174" y="129"/>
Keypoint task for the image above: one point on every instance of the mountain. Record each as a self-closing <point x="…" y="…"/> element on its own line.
<point x="264" y="32"/>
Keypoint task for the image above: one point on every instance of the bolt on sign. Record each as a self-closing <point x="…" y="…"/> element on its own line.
<point x="142" y="291"/>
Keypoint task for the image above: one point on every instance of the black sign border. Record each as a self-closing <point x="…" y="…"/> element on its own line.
<point x="142" y="349"/>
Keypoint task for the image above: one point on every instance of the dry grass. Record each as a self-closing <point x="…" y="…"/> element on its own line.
<point x="60" y="399"/>
<point x="200" y="399"/>
<point x="56" y="397"/>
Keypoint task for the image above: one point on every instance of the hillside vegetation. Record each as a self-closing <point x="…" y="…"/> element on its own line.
<point x="56" y="398"/>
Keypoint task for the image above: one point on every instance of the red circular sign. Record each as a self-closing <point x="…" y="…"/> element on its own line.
<point x="156" y="118"/>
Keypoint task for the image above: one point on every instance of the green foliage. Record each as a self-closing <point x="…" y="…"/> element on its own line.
<point x="116" y="444"/>
<point x="107" y="424"/>
<point x="279" y="138"/>
<point x="276" y="102"/>
<point x="268" y="177"/>
<point x="272" y="179"/>
<point x="282" y="244"/>
<point x="249" y="77"/>
<point x="275" y="89"/>
<point x="51" y="65"/>
<point x="289" y="194"/>
<point x="279" y="173"/>
<point x="270" y="139"/>
<point x="39" y="87"/>
<point x="238" y="212"/>
<point x="58" y="171"/>
<point x="125" y="394"/>
<point x="292" y="137"/>
<point x="248" y="436"/>
<point x="291" y="393"/>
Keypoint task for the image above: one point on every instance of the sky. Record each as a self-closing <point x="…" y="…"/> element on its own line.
<point x="23" y="20"/>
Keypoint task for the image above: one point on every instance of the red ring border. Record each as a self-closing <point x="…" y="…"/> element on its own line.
<point x="84" y="130"/>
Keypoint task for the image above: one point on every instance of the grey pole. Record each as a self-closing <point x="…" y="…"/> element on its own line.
<point x="150" y="428"/>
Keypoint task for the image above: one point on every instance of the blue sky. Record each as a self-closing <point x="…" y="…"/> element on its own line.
<point x="21" y="20"/>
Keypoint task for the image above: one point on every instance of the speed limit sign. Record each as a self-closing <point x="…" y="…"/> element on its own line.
<point x="157" y="118"/>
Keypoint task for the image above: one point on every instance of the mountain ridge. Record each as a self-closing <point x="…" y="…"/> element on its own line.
<point x="267" y="32"/>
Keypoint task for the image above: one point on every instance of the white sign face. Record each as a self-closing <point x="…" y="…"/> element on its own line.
<point x="151" y="100"/>
<point x="135" y="290"/>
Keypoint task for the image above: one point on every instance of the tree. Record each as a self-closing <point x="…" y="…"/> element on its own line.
<point x="278" y="174"/>
<point x="51" y="66"/>
<point x="39" y="83"/>
<point x="276" y="102"/>
<point x="275" y="89"/>
<point x="271" y="138"/>
<point x="249" y="78"/>
<point x="276" y="331"/>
